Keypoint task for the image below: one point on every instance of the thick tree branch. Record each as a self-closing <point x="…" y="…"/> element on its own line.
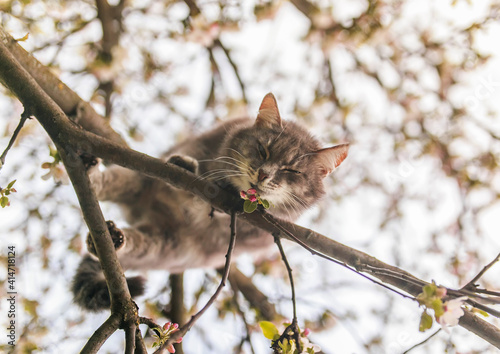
<point x="72" y="105"/>
<point x="55" y="122"/>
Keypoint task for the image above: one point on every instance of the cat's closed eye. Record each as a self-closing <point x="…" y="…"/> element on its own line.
<point x="262" y="152"/>
<point x="289" y="170"/>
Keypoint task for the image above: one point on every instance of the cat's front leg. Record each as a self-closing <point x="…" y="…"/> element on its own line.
<point x="115" y="183"/>
<point x="186" y="162"/>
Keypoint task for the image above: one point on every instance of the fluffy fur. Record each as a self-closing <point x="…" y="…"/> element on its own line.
<point x="171" y="229"/>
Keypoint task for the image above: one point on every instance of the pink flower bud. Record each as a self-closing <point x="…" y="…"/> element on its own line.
<point x="252" y="191"/>
<point x="179" y="340"/>
<point x="306" y="332"/>
<point x="166" y="326"/>
<point x="441" y="292"/>
<point x="175" y="325"/>
<point x="243" y="195"/>
<point x="252" y="198"/>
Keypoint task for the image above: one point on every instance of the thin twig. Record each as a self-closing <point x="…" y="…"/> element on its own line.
<point x="293" y="326"/>
<point x="394" y="274"/>
<point x="289" y="270"/>
<point x="185" y="328"/>
<point x="227" y="53"/>
<point x="24" y="116"/>
<point x="422" y="342"/>
<point x="148" y="322"/>
<point x="471" y="285"/>
<point x="487" y="292"/>
<point x="314" y="252"/>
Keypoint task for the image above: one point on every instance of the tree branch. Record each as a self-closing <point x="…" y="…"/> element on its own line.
<point x="177" y="309"/>
<point x="102" y="334"/>
<point x="24" y="116"/>
<point x="71" y="104"/>
<point x="55" y="122"/>
<point x="471" y="285"/>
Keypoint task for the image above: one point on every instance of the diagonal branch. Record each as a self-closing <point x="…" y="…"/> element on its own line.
<point x="472" y="284"/>
<point x="70" y="103"/>
<point x="57" y="125"/>
<point x="24" y="116"/>
<point x="102" y="334"/>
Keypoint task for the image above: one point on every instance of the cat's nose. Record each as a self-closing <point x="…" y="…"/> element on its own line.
<point x="262" y="176"/>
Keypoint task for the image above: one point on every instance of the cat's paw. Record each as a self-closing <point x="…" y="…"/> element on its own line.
<point x="186" y="162"/>
<point x="88" y="160"/>
<point x="116" y="235"/>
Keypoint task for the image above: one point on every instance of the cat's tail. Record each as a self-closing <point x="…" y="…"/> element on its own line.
<point x="89" y="287"/>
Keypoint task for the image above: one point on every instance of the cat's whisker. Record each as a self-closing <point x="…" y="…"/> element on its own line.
<point x="231" y="158"/>
<point x="296" y="198"/>
<point x="219" y="161"/>
<point x="239" y="164"/>
<point x="227" y="176"/>
<point x="236" y="151"/>
<point x="289" y="203"/>
<point x="215" y="172"/>
<point x="223" y="175"/>
<point x="231" y="164"/>
<point x="295" y="201"/>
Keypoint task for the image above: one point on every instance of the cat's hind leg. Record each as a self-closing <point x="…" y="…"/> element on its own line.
<point x="89" y="286"/>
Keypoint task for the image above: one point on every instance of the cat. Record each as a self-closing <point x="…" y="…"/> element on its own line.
<point x="173" y="230"/>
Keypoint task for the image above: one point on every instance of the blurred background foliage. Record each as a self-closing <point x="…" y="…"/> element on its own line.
<point x="413" y="86"/>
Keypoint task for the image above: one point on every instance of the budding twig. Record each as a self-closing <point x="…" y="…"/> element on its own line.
<point x="24" y="116"/>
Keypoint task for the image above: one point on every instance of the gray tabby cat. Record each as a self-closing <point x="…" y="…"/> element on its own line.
<point x="173" y="230"/>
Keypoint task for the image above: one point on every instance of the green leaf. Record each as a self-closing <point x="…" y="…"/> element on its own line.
<point x="265" y="203"/>
<point x="437" y="306"/>
<point x="269" y="329"/>
<point x="249" y="207"/>
<point x="4" y="201"/>
<point x="430" y="289"/>
<point x="425" y="322"/>
<point x="287" y="346"/>
<point x="9" y="186"/>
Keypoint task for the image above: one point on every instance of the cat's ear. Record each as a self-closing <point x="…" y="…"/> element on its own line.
<point x="269" y="115"/>
<point x="330" y="158"/>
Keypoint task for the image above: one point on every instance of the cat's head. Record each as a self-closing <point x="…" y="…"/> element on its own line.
<point x="279" y="159"/>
